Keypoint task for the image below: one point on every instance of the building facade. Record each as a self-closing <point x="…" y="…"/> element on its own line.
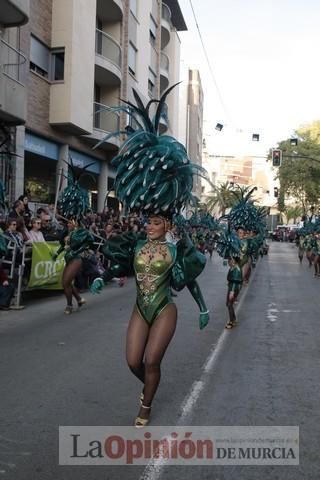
<point x="83" y="56"/>
<point x="191" y="116"/>
<point x="13" y="14"/>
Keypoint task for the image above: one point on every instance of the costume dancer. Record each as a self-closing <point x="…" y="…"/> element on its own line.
<point x="246" y="217"/>
<point x="155" y="177"/>
<point x="76" y="241"/>
<point x="236" y="246"/>
<point x="229" y="247"/>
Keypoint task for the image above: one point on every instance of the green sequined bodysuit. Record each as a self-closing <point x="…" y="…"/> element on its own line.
<point x="157" y="267"/>
<point x="152" y="265"/>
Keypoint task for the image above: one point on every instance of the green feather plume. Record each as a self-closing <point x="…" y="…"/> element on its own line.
<point x="154" y="173"/>
<point x="73" y="202"/>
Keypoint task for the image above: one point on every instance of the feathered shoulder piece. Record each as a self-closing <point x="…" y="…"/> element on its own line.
<point x="179" y="220"/>
<point x="153" y="171"/>
<point x="74" y="200"/>
<point x="208" y="221"/>
<point x="228" y="244"/>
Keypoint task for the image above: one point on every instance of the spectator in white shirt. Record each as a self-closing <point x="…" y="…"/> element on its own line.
<point x="35" y="233"/>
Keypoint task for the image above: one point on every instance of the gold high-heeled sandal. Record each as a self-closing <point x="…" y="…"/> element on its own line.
<point x="68" y="310"/>
<point x="142" y="422"/>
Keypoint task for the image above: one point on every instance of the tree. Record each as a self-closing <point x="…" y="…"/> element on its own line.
<point x="221" y="197"/>
<point x="293" y="213"/>
<point x="299" y="173"/>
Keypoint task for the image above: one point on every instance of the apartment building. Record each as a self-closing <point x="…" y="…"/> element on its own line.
<point x="191" y="119"/>
<point x="13" y="14"/>
<point x="83" y="56"/>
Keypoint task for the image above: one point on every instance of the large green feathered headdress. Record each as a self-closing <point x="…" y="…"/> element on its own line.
<point x="243" y="213"/>
<point x="154" y="173"/>
<point x="74" y="200"/>
<point x="228" y="244"/>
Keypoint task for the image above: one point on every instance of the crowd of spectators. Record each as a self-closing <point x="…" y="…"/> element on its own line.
<point x="22" y="226"/>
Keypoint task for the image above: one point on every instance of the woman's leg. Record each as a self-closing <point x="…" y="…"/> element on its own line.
<point x="75" y="293"/>
<point x="69" y="274"/>
<point x="137" y="335"/>
<point x="230" y="306"/>
<point x="160" y="335"/>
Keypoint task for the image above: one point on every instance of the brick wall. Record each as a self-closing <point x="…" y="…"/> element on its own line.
<point x="38" y="88"/>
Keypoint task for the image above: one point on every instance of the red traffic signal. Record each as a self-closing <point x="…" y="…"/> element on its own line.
<point x="276" y="157"/>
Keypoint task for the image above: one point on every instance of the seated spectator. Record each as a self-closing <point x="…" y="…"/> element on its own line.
<point x="14" y="241"/>
<point x="42" y="211"/>
<point x="18" y="209"/>
<point x="54" y="217"/>
<point x="22" y="231"/>
<point x="49" y="231"/>
<point x="108" y="231"/>
<point x="35" y="233"/>
<point x="94" y="229"/>
<point x="12" y="234"/>
<point x="27" y="213"/>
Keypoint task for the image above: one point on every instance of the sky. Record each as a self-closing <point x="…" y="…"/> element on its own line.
<point x="265" y="57"/>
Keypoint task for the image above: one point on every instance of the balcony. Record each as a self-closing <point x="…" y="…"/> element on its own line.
<point x="108" y="62"/>
<point x="164" y="71"/>
<point x="104" y="122"/>
<point x="14" y="13"/>
<point x="165" y="25"/>
<point x="111" y="11"/>
<point x="12" y="89"/>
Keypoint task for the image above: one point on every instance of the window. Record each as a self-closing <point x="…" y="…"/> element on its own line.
<point x="39" y="57"/>
<point x="133" y="7"/>
<point x="45" y="62"/>
<point x="151" y="82"/>
<point x="153" y="32"/>
<point x="57" y="64"/>
<point x="132" y="58"/>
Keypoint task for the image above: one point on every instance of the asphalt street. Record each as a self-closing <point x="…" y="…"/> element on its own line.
<point x="57" y="370"/>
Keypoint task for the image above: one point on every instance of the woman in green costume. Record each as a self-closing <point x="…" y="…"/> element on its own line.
<point x="229" y="248"/>
<point x="75" y="240"/>
<point x="155" y="177"/>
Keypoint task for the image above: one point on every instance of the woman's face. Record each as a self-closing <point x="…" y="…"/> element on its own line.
<point x="12" y="226"/>
<point x="37" y="224"/>
<point x="156" y="228"/>
<point x="240" y="233"/>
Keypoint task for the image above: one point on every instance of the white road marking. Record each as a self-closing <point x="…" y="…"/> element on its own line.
<point x="154" y="469"/>
<point x="272" y="312"/>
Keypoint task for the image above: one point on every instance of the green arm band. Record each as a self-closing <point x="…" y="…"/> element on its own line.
<point x="195" y="291"/>
<point x="115" y="270"/>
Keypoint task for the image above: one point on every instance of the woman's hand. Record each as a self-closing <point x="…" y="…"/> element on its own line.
<point x="54" y="256"/>
<point x="97" y="285"/>
<point x="5" y="283"/>
<point x="231" y="296"/>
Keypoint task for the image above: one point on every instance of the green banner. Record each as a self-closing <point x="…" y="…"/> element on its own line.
<point x="46" y="273"/>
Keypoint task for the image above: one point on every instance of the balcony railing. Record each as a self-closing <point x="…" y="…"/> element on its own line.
<point x="108" y="48"/>
<point x="104" y="119"/>
<point x="13" y="62"/>
<point x="164" y="62"/>
<point x="166" y="13"/>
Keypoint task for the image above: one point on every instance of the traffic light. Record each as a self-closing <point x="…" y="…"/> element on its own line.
<point x="276" y="157"/>
<point x="276" y="192"/>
